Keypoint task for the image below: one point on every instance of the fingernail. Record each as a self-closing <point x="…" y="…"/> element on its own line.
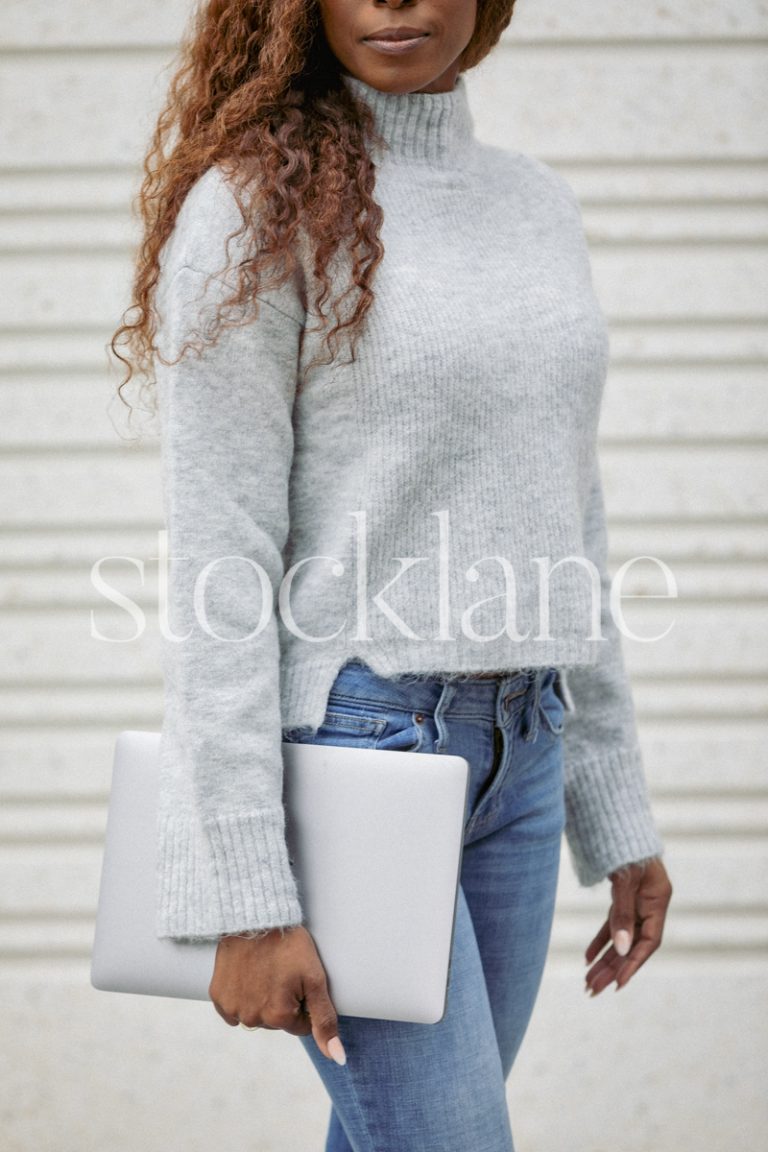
<point x="622" y="941"/>
<point x="336" y="1049"/>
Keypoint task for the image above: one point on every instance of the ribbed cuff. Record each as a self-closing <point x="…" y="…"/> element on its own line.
<point x="234" y="876"/>
<point x="609" y="821"/>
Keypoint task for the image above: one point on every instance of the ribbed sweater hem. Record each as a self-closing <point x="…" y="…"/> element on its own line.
<point x="609" y="821"/>
<point x="305" y="683"/>
<point x="248" y="884"/>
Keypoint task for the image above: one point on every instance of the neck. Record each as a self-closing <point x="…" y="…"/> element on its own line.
<point x="434" y="128"/>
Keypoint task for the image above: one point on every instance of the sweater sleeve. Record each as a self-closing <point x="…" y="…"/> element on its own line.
<point x="609" y="821"/>
<point x="226" y="448"/>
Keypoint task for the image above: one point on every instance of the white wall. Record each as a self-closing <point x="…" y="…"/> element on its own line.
<point x="655" y="113"/>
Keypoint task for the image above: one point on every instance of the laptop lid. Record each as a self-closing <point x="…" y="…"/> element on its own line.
<point x="375" y="839"/>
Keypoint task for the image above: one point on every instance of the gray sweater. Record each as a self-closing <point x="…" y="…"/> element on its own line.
<point x="404" y="506"/>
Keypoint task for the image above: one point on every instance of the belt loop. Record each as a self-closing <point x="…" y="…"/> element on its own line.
<point x="446" y="695"/>
<point x="532" y="727"/>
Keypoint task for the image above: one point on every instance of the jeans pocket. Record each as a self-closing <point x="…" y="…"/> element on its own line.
<point x="403" y="731"/>
<point x="342" y="726"/>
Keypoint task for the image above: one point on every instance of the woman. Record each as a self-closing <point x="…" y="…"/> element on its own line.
<point x="426" y="499"/>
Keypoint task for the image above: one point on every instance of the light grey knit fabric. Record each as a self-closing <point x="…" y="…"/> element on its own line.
<point x="458" y="447"/>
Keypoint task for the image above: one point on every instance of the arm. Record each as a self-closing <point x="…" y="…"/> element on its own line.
<point x="227" y="448"/>
<point x="609" y="827"/>
<point x="609" y="821"/>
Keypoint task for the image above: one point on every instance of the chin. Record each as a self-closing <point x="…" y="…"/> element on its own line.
<point x="396" y="81"/>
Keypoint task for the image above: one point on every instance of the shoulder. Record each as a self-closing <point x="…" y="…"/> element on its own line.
<point x="212" y="236"/>
<point x="207" y="216"/>
<point x="534" y="178"/>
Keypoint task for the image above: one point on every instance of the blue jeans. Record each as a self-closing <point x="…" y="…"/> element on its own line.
<point x="428" y="1087"/>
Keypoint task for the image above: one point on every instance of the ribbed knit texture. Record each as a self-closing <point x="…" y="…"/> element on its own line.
<point x="457" y="447"/>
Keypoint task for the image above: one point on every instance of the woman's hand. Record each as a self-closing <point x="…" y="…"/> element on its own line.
<point x="276" y="980"/>
<point x="640" y="896"/>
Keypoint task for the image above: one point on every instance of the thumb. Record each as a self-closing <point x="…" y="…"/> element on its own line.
<point x="325" y="1025"/>
<point x="621" y="919"/>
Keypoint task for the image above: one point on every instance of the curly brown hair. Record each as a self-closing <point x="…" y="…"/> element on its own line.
<point x="257" y="90"/>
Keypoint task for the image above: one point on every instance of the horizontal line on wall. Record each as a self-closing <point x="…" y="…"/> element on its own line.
<point x="663" y="321"/>
<point x="11" y="330"/>
<point x="688" y="560"/>
<point x="599" y="201"/>
<point x="707" y="712"/>
<point x="56" y="449"/>
<point x="57" y="840"/>
<point x="9" y="369"/>
<point x="53" y="374"/>
<point x="662" y="364"/>
<point x="657" y="163"/>
<point x="726" y="521"/>
<point x="593" y="163"/>
<point x="715" y="795"/>
<point x="642" y="244"/>
<point x="147" y="683"/>
<point x="52" y="840"/>
<point x="84" y="684"/>
<point x="120" y="211"/>
<point x="641" y="363"/>
<point x="97" y="799"/>
<point x="38" y="916"/>
<point x="145" y="599"/>
<point x="702" y="951"/>
<point x="120" y="722"/>
<point x="129" y="168"/>
<point x="750" y="241"/>
<point x="700" y="676"/>
<point x="73" y="527"/>
<point x="122" y="718"/>
<point x="65" y="213"/>
<point x="692" y="910"/>
<point x="510" y="43"/>
<point x="16" y="613"/>
<point x="90" y="526"/>
<point x="95" y="251"/>
<point x="53" y="952"/>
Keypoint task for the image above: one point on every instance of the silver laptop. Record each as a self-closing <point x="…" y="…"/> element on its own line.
<point x="376" y="841"/>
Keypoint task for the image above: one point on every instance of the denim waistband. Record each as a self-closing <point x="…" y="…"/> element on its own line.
<point x="479" y="696"/>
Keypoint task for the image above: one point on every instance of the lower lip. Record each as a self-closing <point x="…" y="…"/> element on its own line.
<point x="395" y="47"/>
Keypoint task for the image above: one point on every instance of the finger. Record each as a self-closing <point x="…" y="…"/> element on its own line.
<point x="228" y="1017"/>
<point x="323" y="1018"/>
<point x="630" y="964"/>
<point x="645" y="946"/>
<point x="603" y="972"/>
<point x="296" y="1021"/>
<point x="598" y="942"/>
<point x="623" y="913"/>
<point x="611" y="966"/>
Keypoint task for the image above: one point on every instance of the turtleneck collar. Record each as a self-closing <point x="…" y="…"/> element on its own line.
<point x="436" y="128"/>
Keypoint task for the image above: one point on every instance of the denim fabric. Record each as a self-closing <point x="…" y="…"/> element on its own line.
<point x="428" y="1087"/>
